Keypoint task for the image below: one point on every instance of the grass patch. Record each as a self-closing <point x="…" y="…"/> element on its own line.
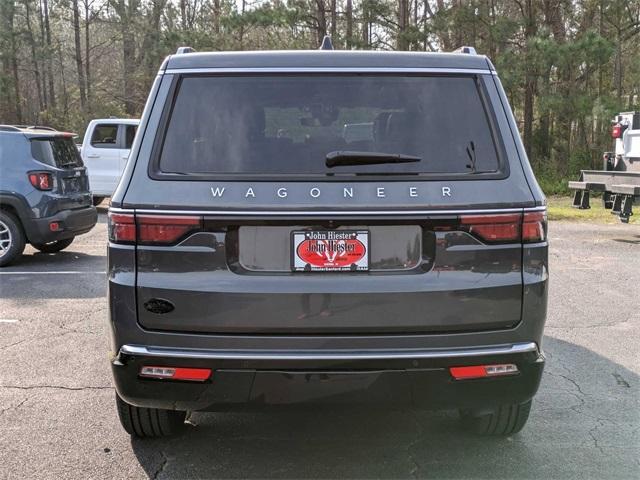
<point x="559" y="208"/>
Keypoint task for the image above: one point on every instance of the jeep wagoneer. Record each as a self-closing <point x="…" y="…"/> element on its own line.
<point x="306" y="228"/>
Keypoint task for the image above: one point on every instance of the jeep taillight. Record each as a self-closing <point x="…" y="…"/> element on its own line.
<point x="41" y="180"/>
<point x="506" y="228"/>
<point x="151" y="229"/>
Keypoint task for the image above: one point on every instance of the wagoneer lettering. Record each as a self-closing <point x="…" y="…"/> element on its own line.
<point x="328" y="227"/>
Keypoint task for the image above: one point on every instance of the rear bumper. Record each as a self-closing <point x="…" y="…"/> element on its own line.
<point x="253" y="380"/>
<point x="71" y="223"/>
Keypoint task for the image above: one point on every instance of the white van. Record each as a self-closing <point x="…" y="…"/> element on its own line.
<point x="105" y="150"/>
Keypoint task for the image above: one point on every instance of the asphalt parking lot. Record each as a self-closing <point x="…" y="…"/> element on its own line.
<point x="58" y="418"/>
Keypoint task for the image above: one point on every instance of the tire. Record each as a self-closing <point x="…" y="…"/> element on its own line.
<point x="97" y="201"/>
<point x="53" y="247"/>
<point x="149" y="422"/>
<point x="12" y="239"/>
<point x="505" y="420"/>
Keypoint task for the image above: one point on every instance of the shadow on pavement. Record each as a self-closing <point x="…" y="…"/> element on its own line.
<point x="583" y="425"/>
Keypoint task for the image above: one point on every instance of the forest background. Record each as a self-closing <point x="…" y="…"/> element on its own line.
<point x="568" y="66"/>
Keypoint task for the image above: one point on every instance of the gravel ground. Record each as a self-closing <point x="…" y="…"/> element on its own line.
<point x="58" y="419"/>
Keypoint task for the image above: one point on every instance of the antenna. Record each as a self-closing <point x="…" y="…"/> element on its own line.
<point x="326" y="43"/>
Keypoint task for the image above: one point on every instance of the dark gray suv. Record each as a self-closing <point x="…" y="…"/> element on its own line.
<point x="327" y="227"/>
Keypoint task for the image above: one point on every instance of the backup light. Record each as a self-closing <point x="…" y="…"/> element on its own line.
<point x="176" y="373"/>
<point x="482" y="371"/>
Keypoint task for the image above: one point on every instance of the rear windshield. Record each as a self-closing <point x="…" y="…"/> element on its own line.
<point x="289" y="124"/>
<point x="57" y="152"/>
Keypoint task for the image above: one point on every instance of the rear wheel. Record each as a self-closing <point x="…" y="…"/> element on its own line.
<point x="504" y="420"/>
<point x="12" y="238"/>
<point x="53" y="247"/>
<point x="149" y="422"/>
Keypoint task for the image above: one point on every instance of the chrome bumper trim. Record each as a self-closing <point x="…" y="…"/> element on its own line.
<point x="257" y="355"/>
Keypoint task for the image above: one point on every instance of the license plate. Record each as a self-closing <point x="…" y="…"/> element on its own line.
<point x="330" y="250"/>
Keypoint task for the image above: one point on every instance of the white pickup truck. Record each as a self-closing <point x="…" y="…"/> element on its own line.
<point x="105" y="150"/>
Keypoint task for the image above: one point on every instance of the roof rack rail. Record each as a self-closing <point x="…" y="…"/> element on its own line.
<point x="18" y="128"/>
<point x="327" y="44"/>
<point x="468" y="50"/>
<point x="182" y="50"/>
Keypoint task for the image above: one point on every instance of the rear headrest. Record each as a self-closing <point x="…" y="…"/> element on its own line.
<point x="399" y="125"/>
<point x="380" y="127"/>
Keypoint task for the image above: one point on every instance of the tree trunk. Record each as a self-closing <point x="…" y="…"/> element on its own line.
<point x="334" y="19"/>
<point x="322" y="20"/>
<point x="87" y="50"/>
<point x="216" y="16"/>
<point x="49" y="56"/>
<point x="530" y="79"/>
<point x="43" y="68"/>
<point x="34" y="56"/>
<point x="78" y="57"/>
<point x="403" y="24"/>
<point x="349" y="12"/>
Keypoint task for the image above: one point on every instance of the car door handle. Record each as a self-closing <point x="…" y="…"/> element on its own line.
<point x="93" y="155"/>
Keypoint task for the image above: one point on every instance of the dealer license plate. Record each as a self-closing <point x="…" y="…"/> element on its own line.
<point x="330" y="250"/>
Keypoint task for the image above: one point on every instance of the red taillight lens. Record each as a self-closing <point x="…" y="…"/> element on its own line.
<point x="530" y="227"/>
<point x="481" y="371"/>
<point x="616" y="131"/>
<point x="122" y="227"/>
<point x="165" y="229"/>
<point x="150" y="229"/>
<point x="176" y="373"/>
<point x="534" y="227"/>
<point x="493" y="228"/>
<point x="41" y="180"/>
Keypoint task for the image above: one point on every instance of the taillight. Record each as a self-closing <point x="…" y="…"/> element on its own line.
<point x="506" y="228"/>
<point x="150" y="229"/>
<point x="165" y="229"/>
<point x="534" y="227"/>
<point x="41" y="180"/>
<point x="493" y="228"/>
<point x="122" y="227"/>
<point x="617" y="130"/>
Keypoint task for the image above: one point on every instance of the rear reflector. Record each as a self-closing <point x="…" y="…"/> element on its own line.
<point x="481" y="371"/>
<point x="176" y="373"/>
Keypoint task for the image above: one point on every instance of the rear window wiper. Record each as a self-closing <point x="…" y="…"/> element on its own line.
<point x="345" y="158"/>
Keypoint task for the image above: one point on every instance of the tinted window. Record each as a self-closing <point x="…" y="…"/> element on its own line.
<point x="58" y="152"/>
<point x="288" y="124"/>
<point x="104" y="136"/>
<point x="130" y="133"/>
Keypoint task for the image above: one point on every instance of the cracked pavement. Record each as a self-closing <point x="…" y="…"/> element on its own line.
<point x="58" y="418"/>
